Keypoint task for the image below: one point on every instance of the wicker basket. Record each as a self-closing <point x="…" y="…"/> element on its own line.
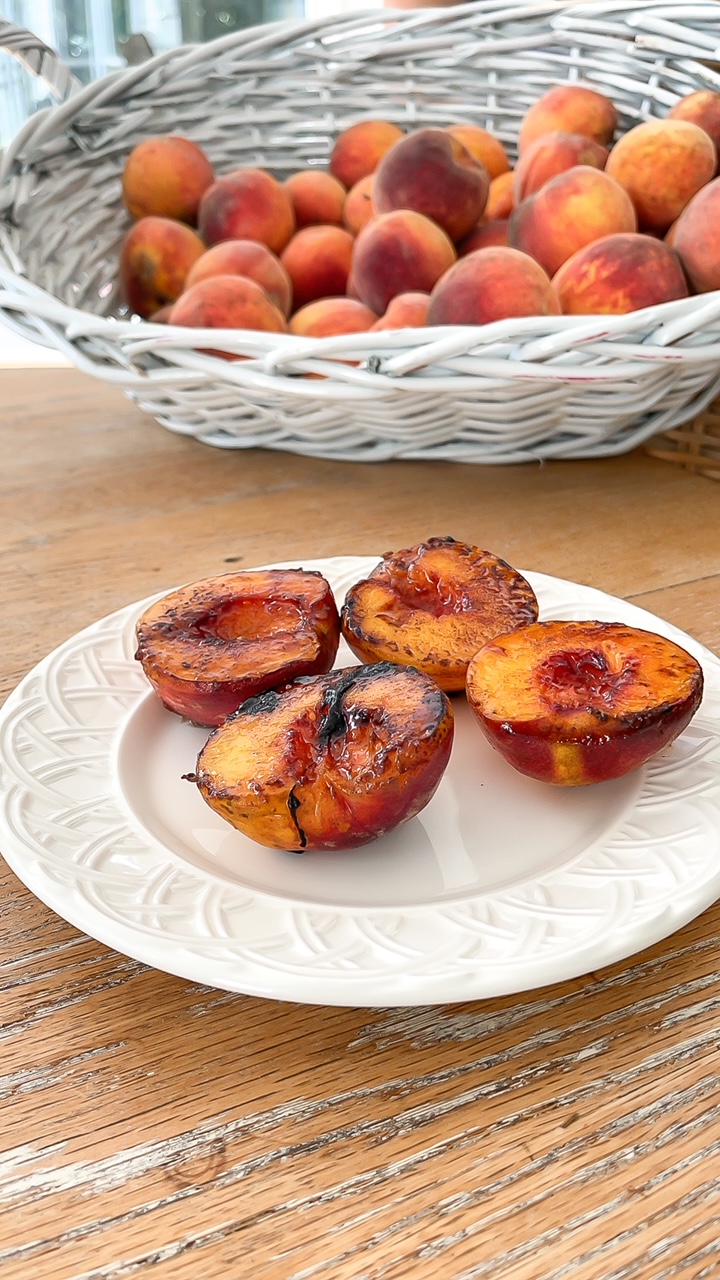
<point x="277" y="96"/>
<point x="695" y="445"/>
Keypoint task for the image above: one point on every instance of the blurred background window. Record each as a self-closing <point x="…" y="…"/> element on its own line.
<point x="97" y="36"/>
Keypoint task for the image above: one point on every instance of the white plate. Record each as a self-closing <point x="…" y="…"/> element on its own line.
<point x="501" y="884"/>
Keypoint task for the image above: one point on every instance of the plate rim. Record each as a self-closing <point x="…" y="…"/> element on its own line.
<point x="405" y="989"/>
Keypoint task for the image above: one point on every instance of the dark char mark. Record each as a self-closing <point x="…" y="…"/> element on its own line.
<point x="261" y="704"/>
<point x="293" y="806"/>
<point x="333" y="721"/>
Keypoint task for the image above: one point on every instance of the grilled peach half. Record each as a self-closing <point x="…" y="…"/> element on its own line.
<point x="580" y="702"/>
<point x="433" y="606"/>
<point x="329" y="762"/>
<point x="208" y="646"/>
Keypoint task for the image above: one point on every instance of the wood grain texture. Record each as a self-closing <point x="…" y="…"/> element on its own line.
<point x="153" y="1126"/>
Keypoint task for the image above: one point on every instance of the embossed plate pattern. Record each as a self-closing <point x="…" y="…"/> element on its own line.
<point x="462" y="903"/>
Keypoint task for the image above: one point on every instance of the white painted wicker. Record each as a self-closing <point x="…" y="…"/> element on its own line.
<point x="277" y="96"/>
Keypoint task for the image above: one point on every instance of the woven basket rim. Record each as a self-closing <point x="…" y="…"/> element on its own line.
<point x="535" y="354"/>
<point x="266" y="35"/>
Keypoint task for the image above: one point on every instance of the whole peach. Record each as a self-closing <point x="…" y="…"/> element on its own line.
<point x="618" y="274"/>
<point x="492" y="284"/>
<point x="552" y="154"/>
<point x="247" y="204"/>
<point x="501" y="198"/>
<point x="360" y="148"/>
<point x="163" y="315"/>
<point x="573" y="209"/>
<point x="228" y="302"/>
<point x="695" y="237"/>
<point x="166" y="177"/>
<point x="399" y="252"/>
<point x="329" y="316"/>
<point x="247" y="258"/>
<point x="431" y="172"/>
<point x="359" y="207"/>
<point x="317" y="260"/>
<point x="662" y="164"/>
<point x="155" y="258"/>
<point x="406" y="311"/>
<point x="569" y="108"/>
<point x="701" y="108"/>
<point x="317" y="197"/>
<point x="486" y="235"/>
<point x="483" y="147"/>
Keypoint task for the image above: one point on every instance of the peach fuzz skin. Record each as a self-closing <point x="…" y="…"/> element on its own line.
<point x="483" y="147"/>
<point x="619" y="274"/>
<point x="317" y="198"/>
<point x="662" y="164"/>
<point x="487" y="235"/>
<point x="228" y="302"/>
<point x="247" y="258"/>
<point x="317" y="260"/>
<point x="431" y="172"/>
<point x="406" y="311"/>
<point x="247" y="204"/>
<point x="552" y="154"/>
<point x="695" y="237"/>
<point x="155" y="259"/>
<point x="492" y="284"/>
<point x="359" y="207"/>
<point x="399" y="252"/>
<point x="501" y="198"/>
<point x="569" y="108"/>
<point x="360" y="148"/>
<point x="574" y="209"/>
<point x="166" y="177"/>
<point x="330" y="316"/>
<point x="701" y="108"/>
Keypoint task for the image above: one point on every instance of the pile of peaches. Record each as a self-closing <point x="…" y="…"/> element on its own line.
<point x="305" y="757"/>
<point x="432" y="226"/>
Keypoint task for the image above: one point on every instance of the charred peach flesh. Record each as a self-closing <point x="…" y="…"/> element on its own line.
<point x="208" y="646"/>
<point x="331" y="762"/>
<point x="578" y="702"/>
<point x="433" y="606"/>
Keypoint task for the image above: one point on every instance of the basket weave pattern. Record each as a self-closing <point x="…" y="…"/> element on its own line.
<point x="277" y="97"/>
<point x="694" y="446"/>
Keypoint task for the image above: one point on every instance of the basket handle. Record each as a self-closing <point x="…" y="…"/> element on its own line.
<point x="39" y="59"/>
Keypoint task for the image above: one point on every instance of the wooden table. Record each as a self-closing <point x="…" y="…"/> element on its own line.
<point x="154" y="1126"/>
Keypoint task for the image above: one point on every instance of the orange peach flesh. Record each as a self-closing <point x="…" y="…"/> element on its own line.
<point x="578" y="702"/>
<point x="208" y="646"/>
<point x="434" y="606"/>
<point x="332" y="762"/>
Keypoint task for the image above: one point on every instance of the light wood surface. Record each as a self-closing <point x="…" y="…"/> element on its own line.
<point x="153" y="1126"/>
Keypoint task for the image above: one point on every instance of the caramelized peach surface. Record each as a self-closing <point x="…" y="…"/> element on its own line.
<point x="208" y="646"/>
<point x="330" y="762"/>
<point x="579" y="702"/>
<point x="433" y="606"/>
